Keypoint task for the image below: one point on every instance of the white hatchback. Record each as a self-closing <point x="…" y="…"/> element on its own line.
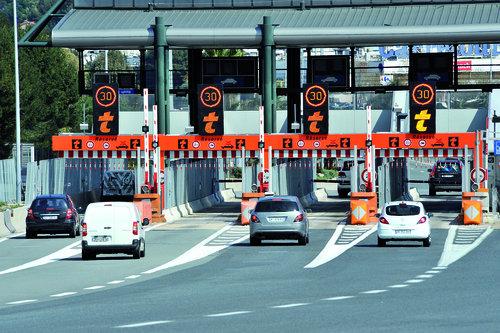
<point x="404" y="220"/>
<point x="113" y="227"/>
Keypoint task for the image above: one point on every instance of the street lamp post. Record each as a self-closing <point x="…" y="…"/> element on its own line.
<point x="18" y="108"/>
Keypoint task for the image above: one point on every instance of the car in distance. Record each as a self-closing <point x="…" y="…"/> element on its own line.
<point x="344" y="178"/>
<point x="445" y="175"/>
<point x="404" y="220"/>
<point x="113" y="227"/>
<point x="52" y="214"/>
<point x="279" y="217"/>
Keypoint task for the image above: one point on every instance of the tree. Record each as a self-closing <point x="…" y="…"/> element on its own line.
<point x="7" y="101"/>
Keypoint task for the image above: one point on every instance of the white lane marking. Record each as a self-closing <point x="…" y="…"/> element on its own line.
<point x="154" y="226"/>
<point x="424" y="276"/>
<point x="23" y="301"/>
<point x="398" y="286"/>
<point x="64" y="294"/>
<point x="147" y="323"/>
<point x="63" y="253"/>
<point x="11" y="236"/>
<point x="225" y="314"/>
<point x="414" y="281"/>
<point x="453" y="252"/>
<point x="333" y="250"/>
<point x="132" y="277"/>
<point x="94" y="287"/>
<point x="440" y="267"/>
<point x="376" y="291"/>
<point x="199" y="251"/>
<point x="337" y="298"/>
<point x="116" y="281"/>
<point x="285" y="306"/>
<point x="432" y="272"/>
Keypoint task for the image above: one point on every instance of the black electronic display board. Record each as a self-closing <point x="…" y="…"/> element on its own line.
<point x="432" y="67"/>
<point x="330" y="70"/>
<point x="423" y="108"/>
<point x="315" y="118"/>
<point x="105" y="98"/>
<point x="210" y="109"/>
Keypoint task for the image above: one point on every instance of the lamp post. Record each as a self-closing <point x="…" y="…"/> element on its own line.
<point x="18" y="108"/>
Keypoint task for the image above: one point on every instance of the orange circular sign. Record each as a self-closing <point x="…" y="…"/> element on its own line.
<point x="105" y="96"/>
<point x="210" y="97"/>
<point x="316" y="96"/>
<point x="423" y="94"/>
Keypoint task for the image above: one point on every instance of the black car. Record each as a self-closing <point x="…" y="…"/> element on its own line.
<point x="445" y="175"/>
<point x="52" y="214"/>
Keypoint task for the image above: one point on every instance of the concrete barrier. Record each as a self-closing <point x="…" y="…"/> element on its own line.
<point x="415" y="196"/>
<point x="175" y="213"/>
<point x="14" y="223"/>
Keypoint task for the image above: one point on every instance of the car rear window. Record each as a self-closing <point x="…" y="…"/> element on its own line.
<point x="45" y="204"/>
<point x="349" y="164"/>
<point x="402" y="210"/>
<point x="449" y="167"/>
<point x="276" y="206"/>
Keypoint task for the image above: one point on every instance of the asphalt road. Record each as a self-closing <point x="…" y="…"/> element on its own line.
<point x="200" y="274"/>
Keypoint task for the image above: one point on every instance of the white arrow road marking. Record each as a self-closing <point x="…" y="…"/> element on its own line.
<point x="147" y="323"/>
<point x="23" y="302"/>
<point x="333" y="249"/>
<point x="453" y="251"/>
<point x="225" y="314"/>
<point x="199" y="251"/>
<point x="66" y="252"/>
<point x="11" y="236"/>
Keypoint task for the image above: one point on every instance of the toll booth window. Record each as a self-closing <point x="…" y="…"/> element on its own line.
<point x="402" y="210"/>
<point x="276" y="206"/>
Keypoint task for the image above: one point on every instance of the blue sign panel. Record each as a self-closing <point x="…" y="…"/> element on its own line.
<point x="497" y="147"/>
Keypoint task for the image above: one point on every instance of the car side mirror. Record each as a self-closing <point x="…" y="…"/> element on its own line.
<point x="430" y="214"/>
<point x="251" y="211"/>
<point x="145" y="221"/>
<point x="309" y="210"/>
<point x="429" y="170"/>
<point x="377" y="215"/>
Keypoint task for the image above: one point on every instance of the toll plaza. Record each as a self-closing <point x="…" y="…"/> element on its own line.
<point x="316" y="82"/>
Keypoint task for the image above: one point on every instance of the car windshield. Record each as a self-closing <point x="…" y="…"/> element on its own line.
<point x="276" y="206"/>
<point x="402" y="210"/>
<point x="45" y="204"/>
<point x="451" y="167"/>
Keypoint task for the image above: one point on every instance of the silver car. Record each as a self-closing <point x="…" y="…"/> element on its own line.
<point x="279" y="217"/>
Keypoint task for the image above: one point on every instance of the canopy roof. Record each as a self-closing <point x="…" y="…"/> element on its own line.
<point x="429" y="22"/>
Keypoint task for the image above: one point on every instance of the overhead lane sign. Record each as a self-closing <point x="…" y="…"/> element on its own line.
<point x="423" y="108"/>
<point x="315" y="119"/>
<point x="105" y="99"/>
<point x="210" y="110"/>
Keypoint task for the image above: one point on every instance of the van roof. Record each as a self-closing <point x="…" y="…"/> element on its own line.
<point x="111" y="203"/>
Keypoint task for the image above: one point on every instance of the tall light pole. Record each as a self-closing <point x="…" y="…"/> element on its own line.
<point x="18" y="109"/>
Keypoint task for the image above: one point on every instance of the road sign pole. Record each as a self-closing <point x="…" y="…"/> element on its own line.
<point x="465" y="177"/>
<point x="155" y="150"/>
<point x="243" y="172"/>
<point x="354" y="171"/>
<point x="146" y="138"/>
<point x="261" y="139"/>
<point x="270" y="167"/>
<point x="477" y="161"/>
<point x="369" y="185"/>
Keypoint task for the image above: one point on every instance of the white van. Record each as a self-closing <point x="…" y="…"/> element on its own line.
<point x="113" y="227"/>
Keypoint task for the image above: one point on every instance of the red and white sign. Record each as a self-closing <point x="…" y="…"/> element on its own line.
<point x="483" y="174"/>
<point x="464" y="65"/>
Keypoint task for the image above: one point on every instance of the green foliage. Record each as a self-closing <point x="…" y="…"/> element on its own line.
<point x="234" y="172"/>
<point x="323" y="174"/>
<point x="48" y="91"/>
<point x="223" y="53"/>
<point x="29" y="10"/>
<point x="7" y="100"/>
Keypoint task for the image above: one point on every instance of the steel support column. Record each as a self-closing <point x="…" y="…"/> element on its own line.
<point x="161" y="77"/>
<point x="267" y="91"/>
<point x="293" y="87"/>
<point x="194" y="78"/>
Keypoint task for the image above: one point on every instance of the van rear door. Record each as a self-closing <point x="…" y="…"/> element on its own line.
<point x="99" y="219"/>
<point x="124" y="217"/>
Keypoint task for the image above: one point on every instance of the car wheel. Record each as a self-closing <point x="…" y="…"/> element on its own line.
<point x="427" y="242"/>
<point x="29" y="234"/>
<point x="143" y="252"/>
<point x="78" y="231"/>
<point x="254" y="241"/>
<point x="343" y="194"/>
<point x="87" y="255"/>
<point x="381" y="242"/>
<point x="302" y="240"/>
<point x="137" y="252"/>
<point x="307" y="239"/>
<point x="72" y="233"/>
<point x="432" y="191"/>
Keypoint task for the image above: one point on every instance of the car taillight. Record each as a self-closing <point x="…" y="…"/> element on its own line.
<point x="68" y="214"/>
<point x="84" y="229"/>
<point x="299" y="218"/>
<point x="30" y="214"/>
<point x="254" y="219"/>
<point x="135" y="228"/>
<point x="383" y="220"/>
<point x="423" y="219"/>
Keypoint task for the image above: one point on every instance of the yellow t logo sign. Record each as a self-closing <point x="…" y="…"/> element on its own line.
<point x="105" y="119"/>
<point x="210" y="119"/>
<point x="422" y="117"/>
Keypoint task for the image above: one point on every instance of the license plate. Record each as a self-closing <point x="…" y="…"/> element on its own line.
<point x="50" y="217"/>
<point x="403" y="231"/>
<point x="99" y="239"/>
<point x="276" y="219"/>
